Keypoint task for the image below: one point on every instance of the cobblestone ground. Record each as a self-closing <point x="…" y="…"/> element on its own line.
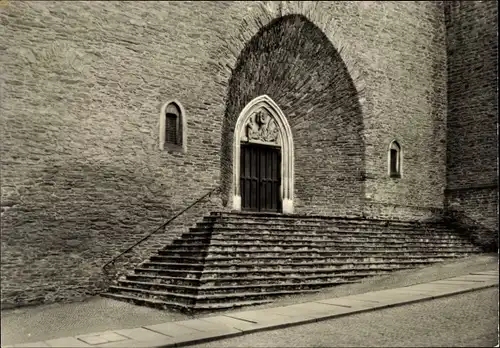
<point x="45" y="322"/>
<point x="466" y="320"/>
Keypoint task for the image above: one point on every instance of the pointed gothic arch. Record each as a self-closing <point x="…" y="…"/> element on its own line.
<point x="177" y="113"/>
<point x="395" y="159"/>
<point x="282" y="137"/>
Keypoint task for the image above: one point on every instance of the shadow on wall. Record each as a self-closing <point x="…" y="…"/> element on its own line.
<point x="478" y="234"/>
<point x="178" y="223"/>
<point x="73" y="217"/>
<point x="293" y="62"/>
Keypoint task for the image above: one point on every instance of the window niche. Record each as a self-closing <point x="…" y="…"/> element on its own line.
<point x="395" y="160"/>
<point x="173" y="127"/>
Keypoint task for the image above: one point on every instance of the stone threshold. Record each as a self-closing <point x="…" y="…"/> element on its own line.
<point x="187" y="332"/>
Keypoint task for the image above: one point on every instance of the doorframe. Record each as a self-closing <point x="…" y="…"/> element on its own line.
<point x="285" y="142"/>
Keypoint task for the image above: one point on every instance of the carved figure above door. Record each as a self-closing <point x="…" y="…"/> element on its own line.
<point x="261" y="128"/>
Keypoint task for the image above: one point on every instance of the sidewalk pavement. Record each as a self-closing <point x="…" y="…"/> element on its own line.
<point x="181" y="333"/>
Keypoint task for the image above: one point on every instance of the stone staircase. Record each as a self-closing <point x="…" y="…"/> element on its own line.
<point x="238" y="259"/>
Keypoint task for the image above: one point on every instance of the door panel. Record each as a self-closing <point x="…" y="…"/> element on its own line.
<point x="260" y="178"/>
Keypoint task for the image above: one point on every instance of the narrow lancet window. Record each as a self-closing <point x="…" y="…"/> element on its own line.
<point x="173" y="125"/>
<point x="395" y="160"/>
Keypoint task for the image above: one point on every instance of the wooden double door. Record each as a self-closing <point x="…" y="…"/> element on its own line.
<point x="260" y="178"/>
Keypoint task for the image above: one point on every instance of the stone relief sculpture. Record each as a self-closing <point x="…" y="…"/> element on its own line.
<point x="261" y="127"/>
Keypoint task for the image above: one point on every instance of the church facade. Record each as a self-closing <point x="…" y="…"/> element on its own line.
<point x="117" y="115"/>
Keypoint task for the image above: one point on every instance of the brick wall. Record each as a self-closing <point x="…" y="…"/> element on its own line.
<point x="81" y="91"/>
<point x="472" y="165"/>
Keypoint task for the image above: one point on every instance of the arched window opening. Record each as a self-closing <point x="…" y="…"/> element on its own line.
<point x="172" y="124"/>
<point x="172" y="127"/>
<point x="395" y="160"/>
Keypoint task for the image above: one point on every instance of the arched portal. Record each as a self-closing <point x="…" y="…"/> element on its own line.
<point x="263" y="158"/>
<point x="292" y="61"/>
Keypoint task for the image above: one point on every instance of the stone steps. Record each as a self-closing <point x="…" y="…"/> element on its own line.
<point x="138" y="300"/>
<point x="248" y="264"/>
<point x="245" y="240"/>
<point x="335" y="260"/>
<point x="171" y="272"/>
<point x="254" y="287"/>
<point x="269" y="272"/>
<point x="151" y="275"/>
<point x="209" y="229"/>
<point x="214" y="267"/>
<point x="324" y="233"/>
<point x="325" y="238"/>
<point x="296" y="219"/>
<point x="230" y="281"/>
<point x="188" y="300"/>
<point x="315" y="241"/>
<point x="282" y="252"/>
<point x="316" y="281"/>
<point x="338" y="223"/>
<point x="230" y="260"/>
<point x="174" y="305"/>
<point x="261" y="278"/>
<point x="264" y="245"/>
<point x="307" y="228"/>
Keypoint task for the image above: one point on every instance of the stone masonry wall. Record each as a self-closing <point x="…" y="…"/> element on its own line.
<point x="472" y="168"/>
<point x="407" y="86"/>
<point x="82" y="174"/>
<point x="82" y="85"/>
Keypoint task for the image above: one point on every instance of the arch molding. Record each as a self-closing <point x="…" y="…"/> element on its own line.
<point x="285" y="142"/>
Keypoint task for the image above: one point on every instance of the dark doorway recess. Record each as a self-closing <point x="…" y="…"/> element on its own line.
<point x="260" y="178"/>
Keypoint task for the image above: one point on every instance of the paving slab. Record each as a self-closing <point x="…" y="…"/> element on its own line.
<point x="348" y="304"/>
<point x="266" y="318"/>
<point x="34" y="344"/>
<point x="204" y="326"/>
<point x="113" y="336"/>
<point x="256" y="316"/>
<point x="200" y="336"/>
<point x="363" y="298"/>
<point x="404" y="295"/>
<point x="172" y="329"/>
<point x="474" y="280"/>
<point x="464" y="282"/>
<point x="483" y="277"/>
<point x="164" y="342"/>
<point x="103" y="337"/>
<point x="430" y="288"/>
<point x="478" y="275"/>
<point x="463" y="286"/>
<point x="67" y="342"/>
<point x="237" y="324"/>
<point x="141" y="334"/>
<point x="93" y="340"/>
<point x="436" y="289"/>
<point x="310" y="310"/>
<point x="389" y="297"/>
